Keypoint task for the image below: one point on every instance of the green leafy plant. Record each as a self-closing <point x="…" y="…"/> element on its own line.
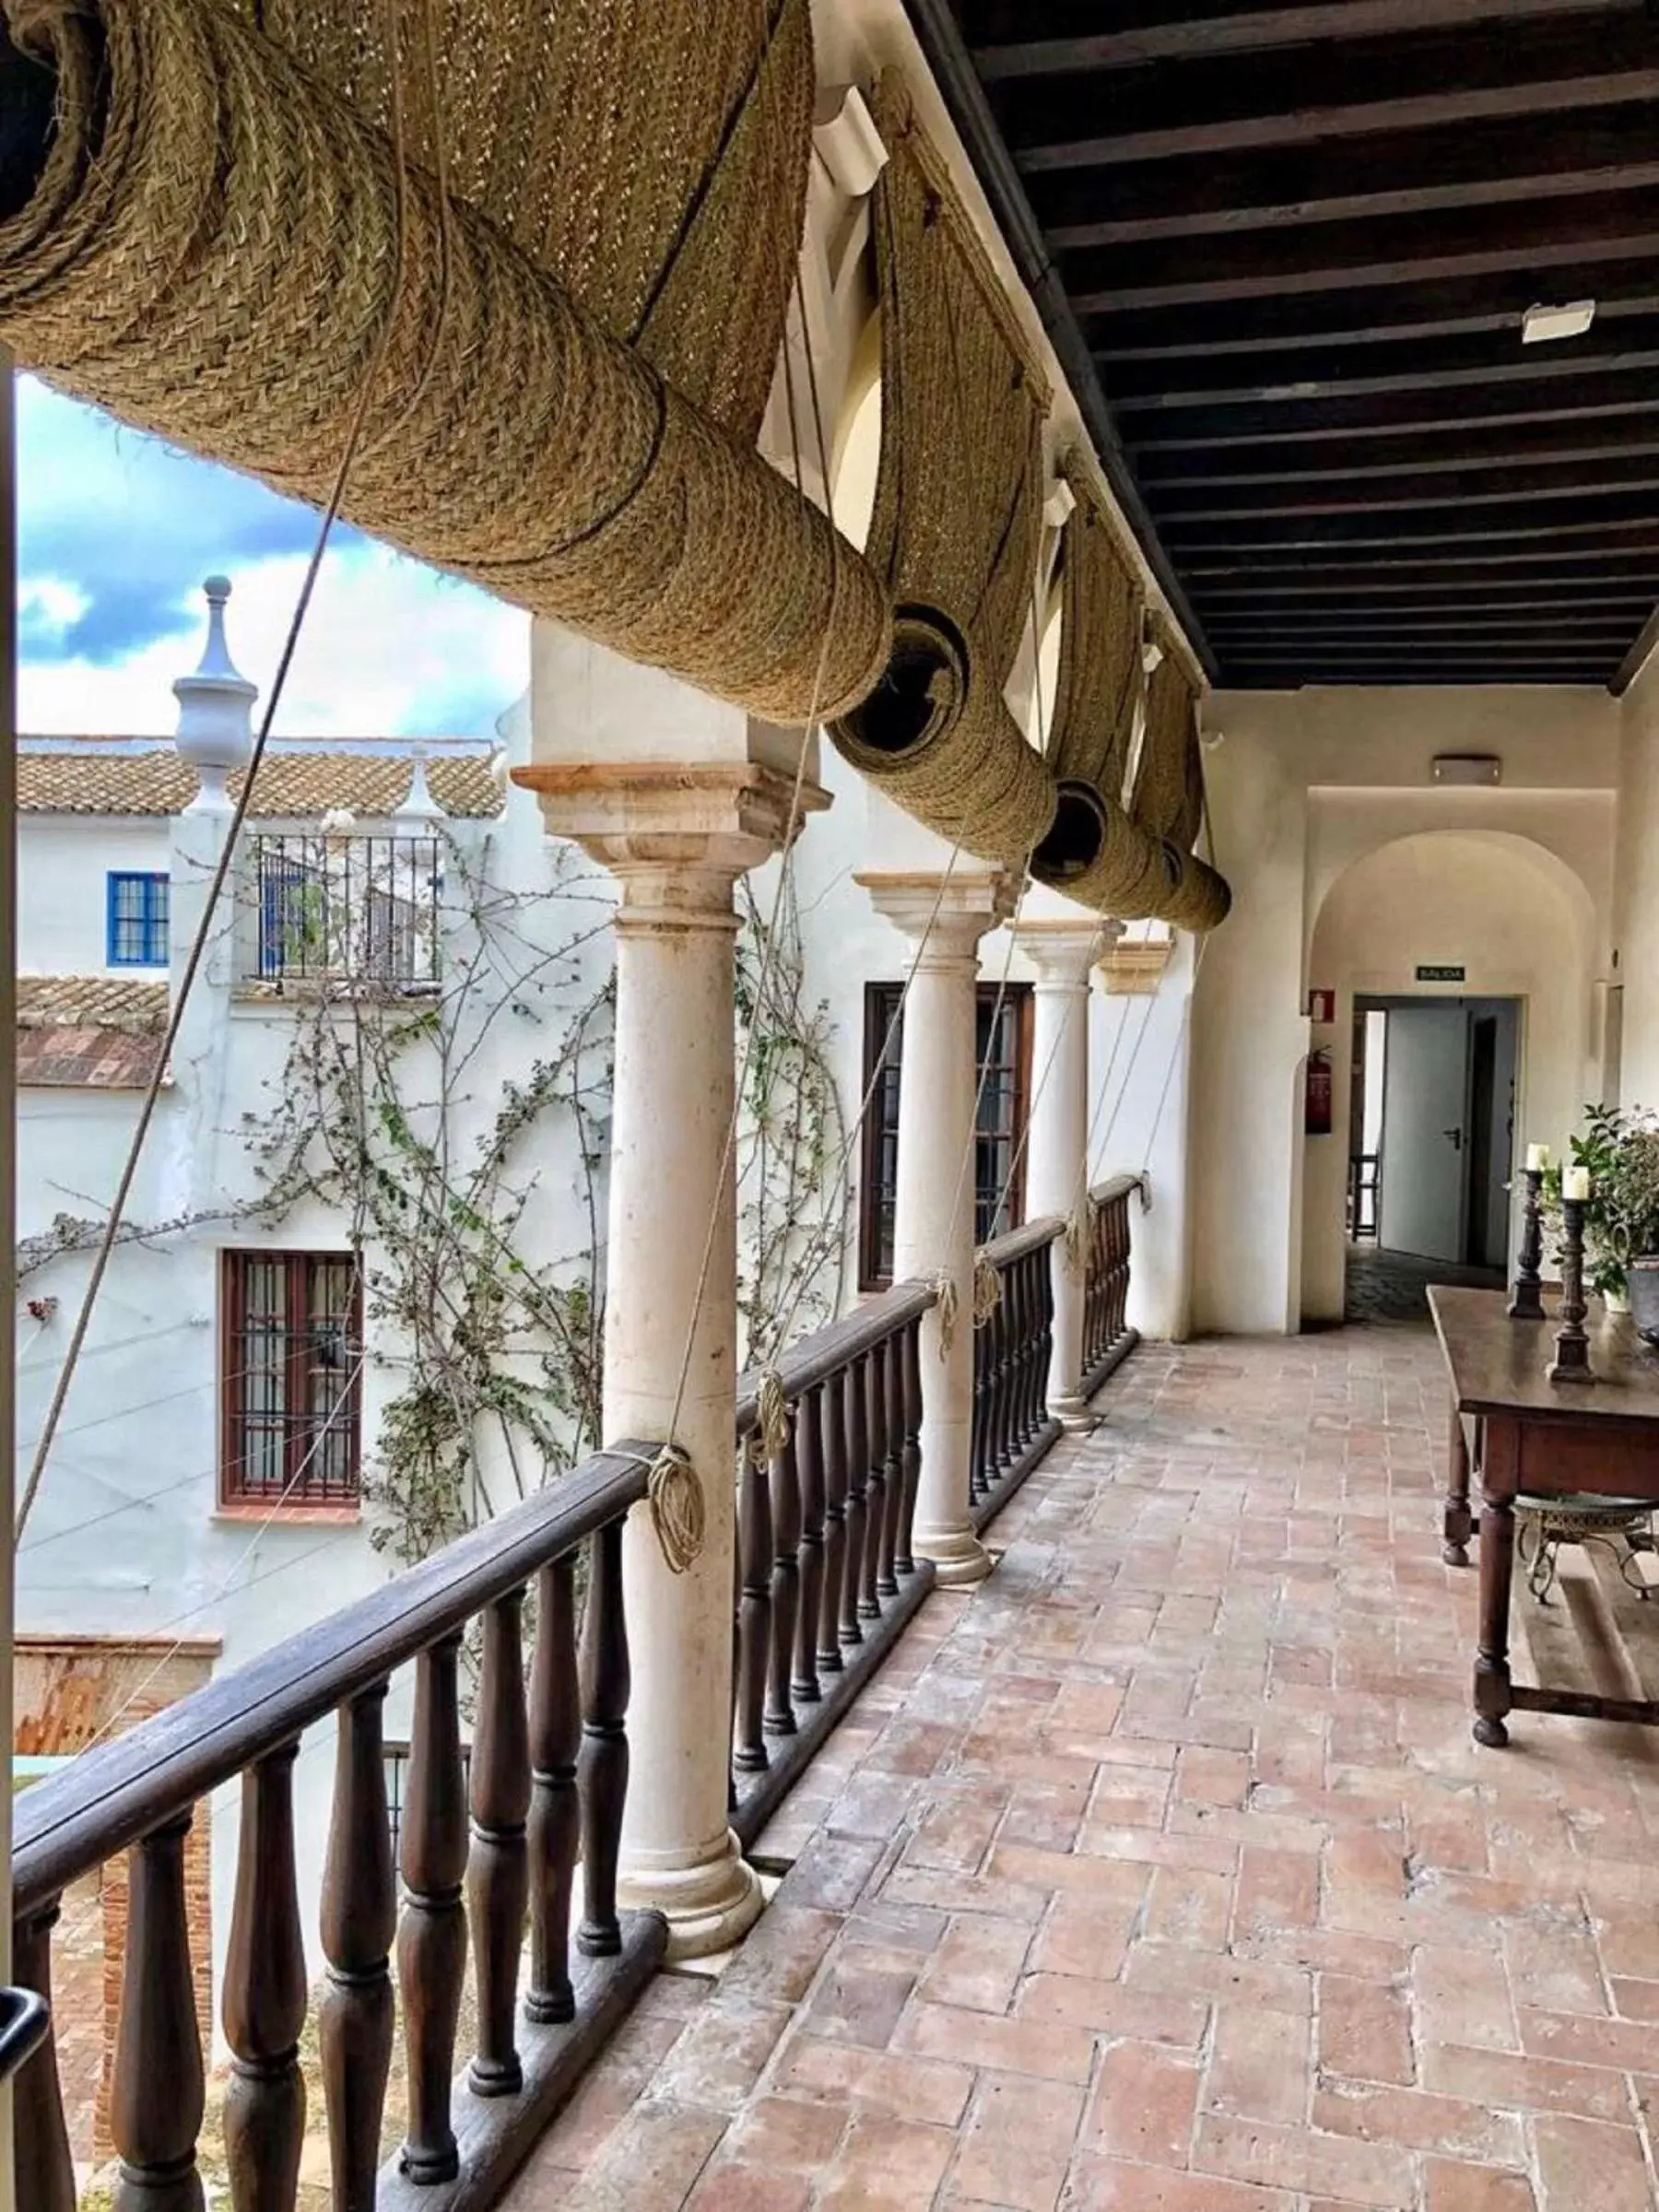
<point x="1619" y="1148"/>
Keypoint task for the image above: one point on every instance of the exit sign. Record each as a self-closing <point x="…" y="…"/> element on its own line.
<point x="1440" y="974"/>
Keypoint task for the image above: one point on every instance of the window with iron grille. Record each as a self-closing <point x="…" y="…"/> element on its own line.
<point x="1003" y="1054"/>
<point x="136" y="920"/>
<point x="359" y="910"/>
<point x="290" y="1379"/>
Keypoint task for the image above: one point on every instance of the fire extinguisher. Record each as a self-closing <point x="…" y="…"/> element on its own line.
<point x="1318" y="1104"/>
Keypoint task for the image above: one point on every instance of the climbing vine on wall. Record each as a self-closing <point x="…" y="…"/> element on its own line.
<point x="384" y="1114"/>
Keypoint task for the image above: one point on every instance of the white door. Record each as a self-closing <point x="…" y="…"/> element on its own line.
<point x="1424" y="1084"/>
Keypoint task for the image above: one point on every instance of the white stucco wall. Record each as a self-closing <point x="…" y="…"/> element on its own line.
<point x="1636" y="918"/>
<point x="64" y="861"/>
<point x="1305" y="786"/>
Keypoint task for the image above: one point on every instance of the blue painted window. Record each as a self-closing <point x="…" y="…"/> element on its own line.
<point x="135" y="921"/>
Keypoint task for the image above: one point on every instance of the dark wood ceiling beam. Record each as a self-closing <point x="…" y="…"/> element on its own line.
<point x="1622" y="554"/>
<point x="1302" y="444"/>
<point x="1363" y="594"/>
<point x="1012" y="51"/>
<point x="1395" y="676"/>
<point x="1331" y="89"/>
<point x="1374" y="254"/>
<point x="1264" y="537"/>
<point x="1319" y="333"/>
<point x="1544" y="443"/>
<point x="1471" y="164"/>
<point x="1473" y="623"/>
<point x="1181" y="504"/>
<point x="1385" y="403"/>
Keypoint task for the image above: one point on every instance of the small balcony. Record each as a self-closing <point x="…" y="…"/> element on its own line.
<point x="355" y="914"/>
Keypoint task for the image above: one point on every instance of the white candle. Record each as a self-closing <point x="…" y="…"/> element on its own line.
<point x="1537" y="1158"/>
<point x="1575" y="1183"/>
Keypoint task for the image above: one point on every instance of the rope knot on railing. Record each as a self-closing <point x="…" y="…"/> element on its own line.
<point x="1077" y="1237"/>
<point x="770" y="1437"/>
<point x="675" y="1496"/>
<point x="949" y="1308"/>
<point x="987" y="1289"/>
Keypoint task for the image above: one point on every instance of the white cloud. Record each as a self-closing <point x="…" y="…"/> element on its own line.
<point x="388" y="649"/>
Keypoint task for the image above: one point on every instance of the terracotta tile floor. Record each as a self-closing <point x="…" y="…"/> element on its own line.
<point x="1160" y="1871"/>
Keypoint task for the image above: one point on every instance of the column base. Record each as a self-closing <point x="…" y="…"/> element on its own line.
<point x="708" y="1906"/>
<point x="957" y="1555"/>
<point x="1073" y="1414"/>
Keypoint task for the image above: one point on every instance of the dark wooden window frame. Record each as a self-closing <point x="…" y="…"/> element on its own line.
<point x="881" y="1123"/>
<point x="307" y="1485"/>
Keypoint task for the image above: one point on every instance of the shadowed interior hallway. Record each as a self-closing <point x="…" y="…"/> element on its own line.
<point x="1160" y="1871"/>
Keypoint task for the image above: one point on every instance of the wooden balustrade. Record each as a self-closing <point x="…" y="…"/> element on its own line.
<point x="1012" y="1427"/>
<point x="537" y="1777"/>
<point x="826" y="1576"/>
<point x="1107" y="1338"/>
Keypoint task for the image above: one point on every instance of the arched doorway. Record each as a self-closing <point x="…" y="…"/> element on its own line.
<point x="1476" y="943"/>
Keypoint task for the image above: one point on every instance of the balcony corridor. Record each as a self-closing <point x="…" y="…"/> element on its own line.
<point x="1160" y="1870"/>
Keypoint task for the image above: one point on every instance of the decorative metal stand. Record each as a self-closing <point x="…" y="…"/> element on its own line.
<point x="1571" y="1361"/>
<point x="1526" y="1295"/>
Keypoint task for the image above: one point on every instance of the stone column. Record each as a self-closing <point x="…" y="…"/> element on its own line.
<point x="932" y="1232"/>
<point x="675" y="837"/>
<point x="1061" y="952"/>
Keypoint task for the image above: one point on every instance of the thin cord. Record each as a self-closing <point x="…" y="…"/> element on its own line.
<point x="238" y="818"/>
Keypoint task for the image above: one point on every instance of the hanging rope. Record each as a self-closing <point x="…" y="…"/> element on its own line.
<point x="987" y="1289"/>
<point x="950" y="1309"/>
<point x="771" y="1440"/>
<point x="674" y="1497"/>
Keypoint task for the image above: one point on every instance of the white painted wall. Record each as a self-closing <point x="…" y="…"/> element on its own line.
<point x="1304" y="788"/>
<point x="64" y="861"/>
<point x="1637" y="909"/>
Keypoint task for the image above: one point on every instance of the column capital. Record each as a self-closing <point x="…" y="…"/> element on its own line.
<point x="651" y="817"/>
<point x="1063" y="952"/>
<point x="950" y="913"/>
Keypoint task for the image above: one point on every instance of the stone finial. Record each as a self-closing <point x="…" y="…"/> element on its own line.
<point x="418" y="805"/>
<point x="216" y="710"/>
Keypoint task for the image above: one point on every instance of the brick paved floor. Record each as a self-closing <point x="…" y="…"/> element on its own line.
<point x="1160" y="1871"/>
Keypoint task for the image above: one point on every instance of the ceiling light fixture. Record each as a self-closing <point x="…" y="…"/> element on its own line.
<point x="1543" y="325"/>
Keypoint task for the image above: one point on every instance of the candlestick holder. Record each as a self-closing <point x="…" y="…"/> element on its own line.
<point x="1571" y="1361"/>
<point x="1527" y="1293"/>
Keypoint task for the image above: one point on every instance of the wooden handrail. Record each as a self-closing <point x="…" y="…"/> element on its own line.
<point x="126" y="1789"/>
<point x="1116" y="1186"/>
<point x="817" y="1356"/>
<point x="1015" y="1243"/>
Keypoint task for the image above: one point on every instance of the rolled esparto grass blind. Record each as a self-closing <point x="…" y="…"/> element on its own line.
<point x="1169" y="797"/>
<point x="581" y="327"/>
<point x="1094" y="852"/>
<point x="958" y="516"/>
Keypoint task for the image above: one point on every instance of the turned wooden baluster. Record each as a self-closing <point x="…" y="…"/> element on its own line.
<point x="858" y="1476"/>
<point x="755" y="1552"/>
<point x="1044" y="1348"/>
<point x="979" y="1429"/>
<point x="554" y="1806"/>
<point x="264" y="1996"/>
<point x="431" y="1936"/>
<point x="358" y="1923"/>
<point x="156" y="2097"/>
<point x="779" y="1718"/>
<point x="877" y="1561"/>
<point x="1000" y="1339"/>
<point x="911" y="1457"/>
<point x="45" y="2172"/>
<point x="893" y="1464"/>
<point x="498" y="1871"/>
<point x="809" y="1460"/>
<point x="1030" y="1330"/>
<point x="603" y="1767"/>
<point x="833" y="1432"/>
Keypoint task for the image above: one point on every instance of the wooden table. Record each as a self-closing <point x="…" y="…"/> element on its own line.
<point x="1538" y="1438"/>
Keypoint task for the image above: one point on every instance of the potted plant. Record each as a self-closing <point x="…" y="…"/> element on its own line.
<point x="1620" y="1150"/>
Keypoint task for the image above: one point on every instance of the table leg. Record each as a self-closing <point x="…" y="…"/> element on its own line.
<point x="1491" y="1661"/>
<point x="1458" y="1522"/>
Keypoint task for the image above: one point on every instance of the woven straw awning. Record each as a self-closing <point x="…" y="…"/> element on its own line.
<point x="1130" y="860"/>
<point x="957" y="517"/>
<point x="567" y="343"/>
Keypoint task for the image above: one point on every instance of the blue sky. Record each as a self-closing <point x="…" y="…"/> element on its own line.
<point x="116" y="534"/>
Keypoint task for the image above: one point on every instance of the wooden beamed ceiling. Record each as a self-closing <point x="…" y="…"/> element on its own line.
<point x="1298" y="241"/>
